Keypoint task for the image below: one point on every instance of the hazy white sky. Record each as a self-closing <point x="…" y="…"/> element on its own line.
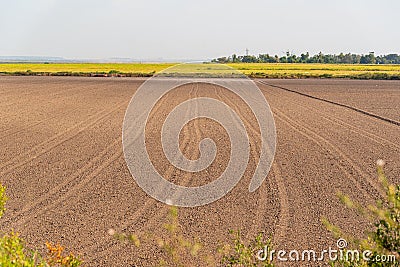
<point x="186" y="29"/>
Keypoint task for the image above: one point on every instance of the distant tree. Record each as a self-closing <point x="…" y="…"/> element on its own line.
<point x="389" y="59"/>
<point x="372" y="58"/>
<point x="356" y="59"/>
<point x="222" y="60"/>
<point x="249" y="59"/>
<point x="304" y="58"/>
<point x="368" y="59"/>
<point x="266" y="58"/>
<point x="292" y="58"/>
<point x="318" y="58"/>
<point x="340" y="58"/>
<point x="348" y="59"/>
<point x="234" y="58"/>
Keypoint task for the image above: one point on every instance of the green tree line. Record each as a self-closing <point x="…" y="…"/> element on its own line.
<point x="318" y="58"/>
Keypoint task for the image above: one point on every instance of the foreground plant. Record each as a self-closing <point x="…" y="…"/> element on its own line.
<point x="3" y="199"/>
<point x="385" y="240"/>
<point x="13" y="252"/>
<point x="178" y="250"/>
<point x="12" y="248"/>
<point x="241" y="253"/>
<point x="56" y="257"/>
<point x="181" y="251"/>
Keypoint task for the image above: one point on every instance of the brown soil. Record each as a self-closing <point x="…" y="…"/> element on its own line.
<point x="67" y="181"/>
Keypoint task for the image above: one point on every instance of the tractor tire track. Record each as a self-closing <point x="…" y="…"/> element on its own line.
<point x="262" y="194"/>
<point x="53" y="196"/>
<point x="393" y="122"/>
<point x="9" y="132"/>
<point x="330" y="148"/>
<point x="371" y="136"/>
<point x="146" y="207"/>
<point x="284" y="213"/>
<point x="56" y="140"/>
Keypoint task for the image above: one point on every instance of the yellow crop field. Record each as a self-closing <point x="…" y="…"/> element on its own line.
<point x="280" y="70"/>
<point x="255" y="70"/>
<point x="145" y="68"/>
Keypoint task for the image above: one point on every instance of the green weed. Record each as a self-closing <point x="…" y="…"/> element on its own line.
<point x="13" y="251"/>
<point x="385" y="215"/>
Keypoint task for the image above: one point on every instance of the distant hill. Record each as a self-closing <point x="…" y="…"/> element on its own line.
<point x="38" y="59"/>
<point x="31" y="59"/>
